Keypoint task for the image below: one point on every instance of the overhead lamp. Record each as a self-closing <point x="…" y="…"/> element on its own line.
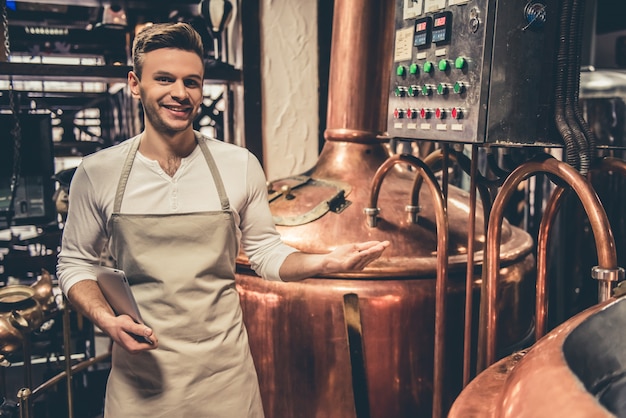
<point x="217" y="13"/>
<point x="113" y="17"/>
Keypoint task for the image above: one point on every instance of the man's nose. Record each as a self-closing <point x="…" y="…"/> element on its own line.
<point x="179" y="90"/>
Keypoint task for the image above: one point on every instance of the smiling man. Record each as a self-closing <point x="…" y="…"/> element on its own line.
<point x="174" y="208"/>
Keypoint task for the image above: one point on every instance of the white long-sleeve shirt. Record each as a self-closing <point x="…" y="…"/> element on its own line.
<point x="151" y="191"/>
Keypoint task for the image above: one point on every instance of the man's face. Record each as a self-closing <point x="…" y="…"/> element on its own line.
<point x="170" y="89"/>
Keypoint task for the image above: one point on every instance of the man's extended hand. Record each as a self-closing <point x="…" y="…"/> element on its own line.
<point x="354" y="257"/>
<point x="344" y="258"/>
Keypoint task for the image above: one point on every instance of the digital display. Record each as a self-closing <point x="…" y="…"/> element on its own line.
<point x="422" y="32"/>
<point x="442" y="26"/>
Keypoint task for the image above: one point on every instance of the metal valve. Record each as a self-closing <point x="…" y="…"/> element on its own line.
<point x="372" y="216"/>
<point x="413" y="212"/>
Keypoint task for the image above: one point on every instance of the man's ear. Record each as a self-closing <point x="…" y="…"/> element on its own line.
<point x="133" y="84"/>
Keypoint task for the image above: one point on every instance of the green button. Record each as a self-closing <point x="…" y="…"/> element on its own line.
<point x="425" y="90"/>
<point x="399" y="91"/>
<point x="443" y="65"/>
<point x="413" y="90"/>
<point x="442" y="89"/>
<point x="458" y="87"/>
<point x="413" y="68"/>
<point x="428" y="66"/>
<point x="459" y="63"/>
<point x="400" y="70"/>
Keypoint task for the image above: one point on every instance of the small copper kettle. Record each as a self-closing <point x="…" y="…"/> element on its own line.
<point x="22" y="310"/>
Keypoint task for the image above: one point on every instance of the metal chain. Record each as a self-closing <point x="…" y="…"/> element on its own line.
<point x="16" y="132"/>
<point x="5" y="26"/>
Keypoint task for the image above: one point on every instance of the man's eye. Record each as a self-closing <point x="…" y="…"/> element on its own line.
<point x="162" y="79"/>
<point x="192" y="83"/>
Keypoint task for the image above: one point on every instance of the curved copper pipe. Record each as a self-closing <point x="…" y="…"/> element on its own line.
<point x="441" y="217"/>
<point x="552" y="208"/>
<point x="39" y="390"/>
<point x="433" y="160"/>
<point x="605" y="243"/>
<point x="545" y="228"/>
<point x="26" y="396"/>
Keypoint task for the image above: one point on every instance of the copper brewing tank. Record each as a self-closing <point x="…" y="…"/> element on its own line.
<point x="297" y="331"/>
<point x="576" y="370"/>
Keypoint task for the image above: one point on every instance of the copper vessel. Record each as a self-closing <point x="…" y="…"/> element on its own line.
<point x="22" y="310"/>
<point x="576" y="370"/>
<point x="299" y="333"/>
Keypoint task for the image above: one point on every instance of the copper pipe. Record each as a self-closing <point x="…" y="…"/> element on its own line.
<point x="26" y="396"/>
<point x="469" y="277"/>
<point x="67" y="343"/>
<point x="433" y="160"/>
<point x="413" y="208"/>
<point x="605" y="243"/>
<point x="610" y="164"/>
<point x="23" y="396"/>
<point x="545" y="228"/>
<point x="26" y="352"/>
<point x="552" y="208"/>
<point x="445" y="153"/>
<point x="441" y="218"/>
<point x="604" y="276"/>
<point x="39" y="390"/>
<point x="360" y="68"/>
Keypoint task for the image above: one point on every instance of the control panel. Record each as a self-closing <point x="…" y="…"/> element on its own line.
<point x="474" y="71"/>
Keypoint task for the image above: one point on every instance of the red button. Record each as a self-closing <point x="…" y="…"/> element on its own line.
<point x="398" y="113"/>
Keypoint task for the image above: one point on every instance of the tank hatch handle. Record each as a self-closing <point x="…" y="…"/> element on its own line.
<point x="289" y="194"/>
<point x="338" y="203"/>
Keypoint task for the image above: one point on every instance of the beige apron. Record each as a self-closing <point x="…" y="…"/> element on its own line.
<point x="182" y="271"/>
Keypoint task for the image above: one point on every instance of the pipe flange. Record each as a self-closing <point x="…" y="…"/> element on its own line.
<point x="413" y="212"/>
<point x="607" y="275"/>
<point x="413" y="209"/>
<point x="372" y="215"/>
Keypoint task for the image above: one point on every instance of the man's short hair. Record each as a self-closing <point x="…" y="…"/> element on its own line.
<point x="165" y="35"/>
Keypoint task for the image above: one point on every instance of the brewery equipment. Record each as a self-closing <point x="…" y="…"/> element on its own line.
<point x="306" y="363"/>
<point x="478" y="71"/>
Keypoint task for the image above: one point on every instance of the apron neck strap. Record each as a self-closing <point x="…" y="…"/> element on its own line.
<point x="130" y="157"/>
<point x="217" y="178"/>
<point x="128" y="163"/>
